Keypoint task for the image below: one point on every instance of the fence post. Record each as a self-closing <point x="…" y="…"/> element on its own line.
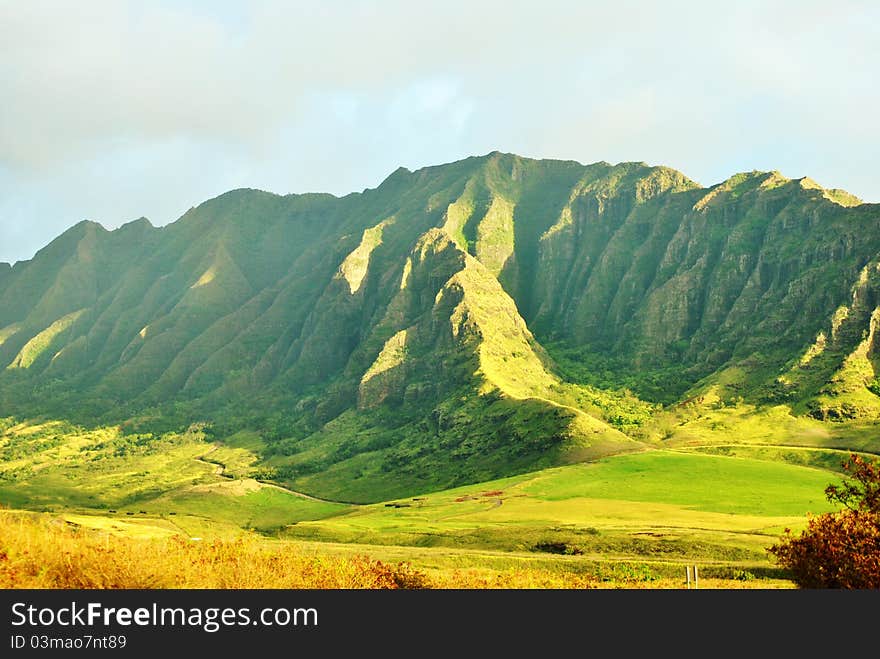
<point x="691" y="576"/>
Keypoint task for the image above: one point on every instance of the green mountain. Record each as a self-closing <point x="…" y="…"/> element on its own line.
<point x="457" y="323"/>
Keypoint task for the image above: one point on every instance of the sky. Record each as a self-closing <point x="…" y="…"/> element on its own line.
<point x="111" y="110"/>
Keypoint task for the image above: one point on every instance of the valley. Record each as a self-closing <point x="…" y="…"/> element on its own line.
<point x="495" y="364"/>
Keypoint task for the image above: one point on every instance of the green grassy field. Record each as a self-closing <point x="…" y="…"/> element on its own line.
<point x="629" y="519"/>
<point x="675" y="505"/>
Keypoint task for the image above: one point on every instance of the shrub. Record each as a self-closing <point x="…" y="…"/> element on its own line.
<point x="839" y="550"/>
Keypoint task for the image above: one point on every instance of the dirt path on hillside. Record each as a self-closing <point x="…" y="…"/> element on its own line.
<point x="303" y="495"/>
<point x="219" y="469"/>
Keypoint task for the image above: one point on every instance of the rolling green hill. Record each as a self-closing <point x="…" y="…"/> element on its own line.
<point x="461" y="323"/>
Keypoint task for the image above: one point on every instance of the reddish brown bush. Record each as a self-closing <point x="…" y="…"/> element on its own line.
<point x="839" y="550"/>
<point x="862" y="491"/>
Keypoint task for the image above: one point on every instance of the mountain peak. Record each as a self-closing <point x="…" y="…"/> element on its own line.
<point x="397" y="176"/>
<point x="238" y="193"/>
<point x="835" y="195"/>
<point x="140" y="222"/>
<point x="89" y="224"/>
<point x="808" y="184"/>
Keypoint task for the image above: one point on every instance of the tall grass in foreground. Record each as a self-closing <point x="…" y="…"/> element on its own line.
<point x="39" y="552"/>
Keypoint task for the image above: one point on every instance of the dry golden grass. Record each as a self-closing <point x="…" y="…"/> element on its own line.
<point x="41" y="552"/>
<point x="36" y="553"/>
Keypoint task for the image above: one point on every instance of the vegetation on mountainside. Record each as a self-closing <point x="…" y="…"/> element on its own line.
<point x="393" y="341"/>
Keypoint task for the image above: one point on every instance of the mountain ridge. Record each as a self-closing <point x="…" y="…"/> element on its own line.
<point x="457" y="322"/>
<point x="836" y="194"/>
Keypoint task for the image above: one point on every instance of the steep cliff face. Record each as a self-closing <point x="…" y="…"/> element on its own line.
<point x="836" y="377"/>
<point x="436" y="318"/>
<point x="700" y="277"/>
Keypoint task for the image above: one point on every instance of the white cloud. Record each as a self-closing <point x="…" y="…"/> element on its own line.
<point x="113" y="109"/>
